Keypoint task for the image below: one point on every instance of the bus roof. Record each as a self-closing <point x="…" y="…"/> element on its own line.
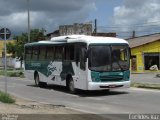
<point x="87" y="39"/>
<point x="79" y="38"/>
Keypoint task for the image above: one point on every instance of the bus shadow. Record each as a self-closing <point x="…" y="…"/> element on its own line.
<point x="98" y="93"/>
<point x="83" y="93"/>
<point x="52" y="87"/>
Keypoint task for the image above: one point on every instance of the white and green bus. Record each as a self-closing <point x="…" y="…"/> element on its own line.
<point x="79" y="62"/>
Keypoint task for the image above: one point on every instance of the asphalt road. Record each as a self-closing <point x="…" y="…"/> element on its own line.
<point x="124" y="101"/>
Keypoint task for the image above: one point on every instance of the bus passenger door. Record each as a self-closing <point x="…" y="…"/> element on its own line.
<point x="81" y="71"/>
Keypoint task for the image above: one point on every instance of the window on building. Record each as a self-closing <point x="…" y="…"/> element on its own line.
<point x="151" y="59"/>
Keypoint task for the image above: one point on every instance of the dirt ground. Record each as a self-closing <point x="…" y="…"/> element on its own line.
<point x="31" y="107"/>
<point x="31" y="110"/>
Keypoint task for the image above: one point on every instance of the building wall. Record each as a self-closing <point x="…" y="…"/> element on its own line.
<point x="139" y="53"/>
<point x="85" y="29"/>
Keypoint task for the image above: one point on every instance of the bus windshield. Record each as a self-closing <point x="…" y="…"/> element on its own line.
<point x="108" y="57"/>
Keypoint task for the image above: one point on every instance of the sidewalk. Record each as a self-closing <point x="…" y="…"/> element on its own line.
<point x="145" y="78"/>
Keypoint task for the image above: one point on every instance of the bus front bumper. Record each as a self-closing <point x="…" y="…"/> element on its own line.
<point x="108" y="85"/>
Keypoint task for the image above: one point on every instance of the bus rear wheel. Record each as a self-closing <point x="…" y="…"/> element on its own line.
<point x="71" y="86"/>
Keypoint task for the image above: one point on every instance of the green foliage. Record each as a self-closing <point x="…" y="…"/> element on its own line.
<point x="37" y="35"/>
<point x="17" y="48"/>
<point x="11" y="48"/>
<point x="6" y="98"/>
<point x="12" y="73"/>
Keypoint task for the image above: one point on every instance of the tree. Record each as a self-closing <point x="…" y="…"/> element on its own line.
<point x="37" y="35"/>
<point x="11" y="49"/>
<point x="17" y="48"/>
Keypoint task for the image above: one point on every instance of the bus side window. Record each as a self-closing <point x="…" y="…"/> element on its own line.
<point x="35" y="53"/>
<point x="28" y="51"/>
<point x="58" y="53"/>
<point x="50" y="53"/>
<point x="42" y="53"/>
<point x="69" y="53"/>
<point x="72" y="50"/>
<point x="77" y="55"/>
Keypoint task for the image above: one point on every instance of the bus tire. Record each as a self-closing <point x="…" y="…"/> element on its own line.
<point x="71" y="86"/>
<point x="38" y="83"/>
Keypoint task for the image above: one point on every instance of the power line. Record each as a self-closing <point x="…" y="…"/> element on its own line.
<point x="135" y="31"/>
<point x="133" y="25"/>
<point x="126" y="31"/>
<point x="128" y="26"/>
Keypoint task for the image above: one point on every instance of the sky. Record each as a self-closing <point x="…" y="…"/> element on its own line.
<point x="120" y="16"/>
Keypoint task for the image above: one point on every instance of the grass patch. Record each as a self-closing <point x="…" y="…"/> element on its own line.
<point x="15" y="74"/>
<point x="12" y="73"/>
<point x="6" y="98"/>
<point x="146" y="85"/>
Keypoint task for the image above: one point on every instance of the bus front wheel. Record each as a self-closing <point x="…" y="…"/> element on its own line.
<point x="71" y="86"/>
<point x="38" y="83"/>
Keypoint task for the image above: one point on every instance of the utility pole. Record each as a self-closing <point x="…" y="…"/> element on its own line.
<point x="5" y="60"/>
<point x="133" y="34"/>
<point x="28" y="2"/>
<point x="95" y="26"/>
<point x="5" y="33"/>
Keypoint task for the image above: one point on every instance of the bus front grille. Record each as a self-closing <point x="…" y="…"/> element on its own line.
<point x="111" y="78"/>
